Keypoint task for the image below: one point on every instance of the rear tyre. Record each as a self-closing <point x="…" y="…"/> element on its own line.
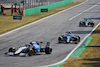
<point x="48" y="50"/>
<point x="92" y="24"/>
<point x="76" y="42"/>
<point x="78" y="37"/>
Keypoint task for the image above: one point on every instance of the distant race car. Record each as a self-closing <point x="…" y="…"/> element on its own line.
<point x="87" y="23"/>
<point x="31" y="49"/>
<point x="69" y="38"/>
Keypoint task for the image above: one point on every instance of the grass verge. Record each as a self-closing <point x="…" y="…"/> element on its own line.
<point x="91" y="56"/>
<point x="7" y="23"/>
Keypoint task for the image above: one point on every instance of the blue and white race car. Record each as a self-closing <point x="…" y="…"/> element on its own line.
<point x="31" y="49"/>
<point x="87" y="23"/>
<point x="69" y="38"/>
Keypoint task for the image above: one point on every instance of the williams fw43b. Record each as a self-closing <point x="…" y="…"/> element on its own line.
<point x="31" y="49"/>
<point x="69" y="38"/>
<point x="86" y="23"/>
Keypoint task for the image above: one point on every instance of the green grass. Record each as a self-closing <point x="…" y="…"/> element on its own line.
<point x="91" y="56"/>
<point x="7" y="23"/>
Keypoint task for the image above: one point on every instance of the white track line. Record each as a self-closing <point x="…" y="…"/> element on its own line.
<point x="84" y="11"/>
<point x="40" y="20"/>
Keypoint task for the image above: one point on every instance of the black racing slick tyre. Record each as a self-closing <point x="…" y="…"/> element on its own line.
<point x="92" y="24"/>
<point x="31" y="52"/>
<point x="78" y="37"/>
<point x="79" y="24"/>
<point x="48" y="50"/>
<point x="76" y="42"/>
<point x="11" y="49"/>
<point x="59" y="40"/>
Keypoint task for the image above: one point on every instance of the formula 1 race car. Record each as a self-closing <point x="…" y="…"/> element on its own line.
<point x="31" y="49"/>
<point x="87" y="22"/>
<point x="69" y="38"/>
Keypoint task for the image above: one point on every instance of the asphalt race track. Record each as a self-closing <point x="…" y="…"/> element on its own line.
<point x="49" y="30"/>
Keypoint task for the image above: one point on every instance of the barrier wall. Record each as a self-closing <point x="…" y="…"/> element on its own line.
<point x="31" y="11"/>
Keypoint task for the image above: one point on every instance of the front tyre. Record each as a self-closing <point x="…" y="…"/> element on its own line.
<point x="81" y="23"/>
<point x="12" y="49"/>
<point x="31" y="52"/>
<point x="59" y="40"/>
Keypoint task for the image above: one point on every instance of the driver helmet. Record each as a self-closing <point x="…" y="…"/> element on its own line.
<point x="85" y="19"/>
<point x="13" y="47"/>
<point x="32" y="43"/>
<point x="69" y="32"/>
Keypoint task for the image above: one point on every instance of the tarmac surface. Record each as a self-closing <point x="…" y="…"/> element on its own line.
<point x="49" y="29"/>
